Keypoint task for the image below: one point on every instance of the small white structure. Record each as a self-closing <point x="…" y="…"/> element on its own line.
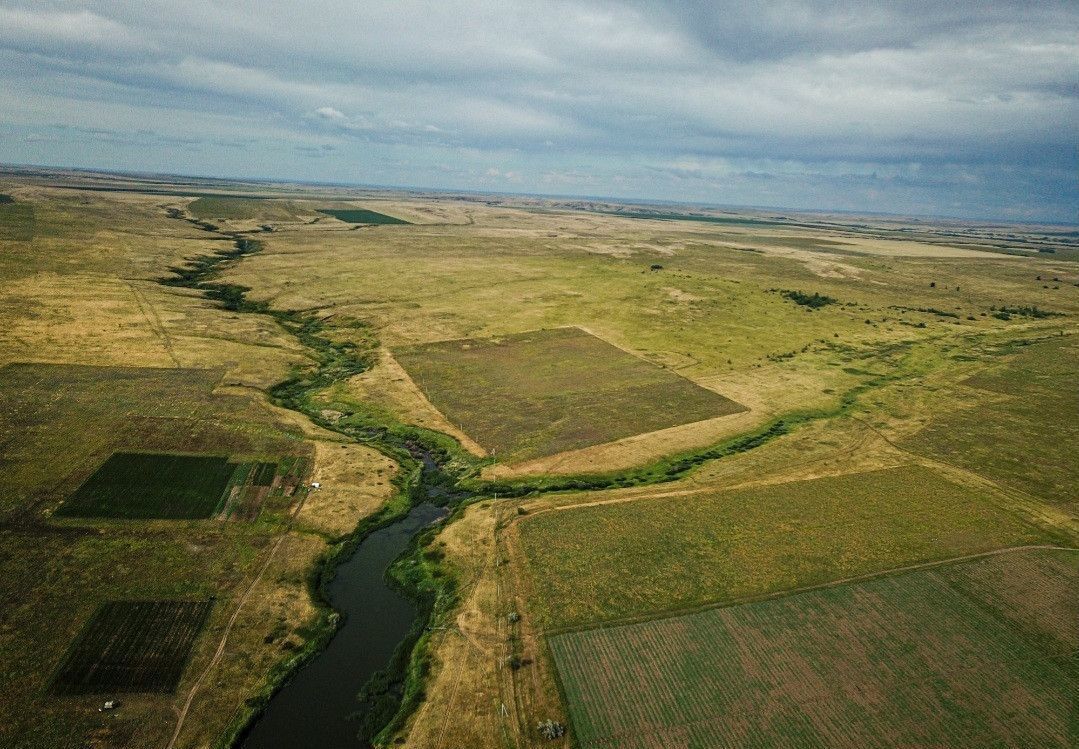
<point x="109" y="705"/>
<point x="316" y="485"/>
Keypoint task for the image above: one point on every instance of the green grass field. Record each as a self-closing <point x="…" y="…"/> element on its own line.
<point x="1020" y="423"/>
<point x="263" y="474"/>
<point x="241" y="209"/>
<point x="970" y="655"/>
<point x="140" y="485"/>
<point x="361" y="216"/>
<point x="132" y="646"/>
<point x="548" y="391"/>
<point x="602" y="563"/>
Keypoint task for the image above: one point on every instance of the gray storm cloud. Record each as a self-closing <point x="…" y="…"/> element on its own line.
<point x="959" y="109"/>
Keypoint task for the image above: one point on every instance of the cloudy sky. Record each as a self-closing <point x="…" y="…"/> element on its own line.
<point x="946" y="108"/>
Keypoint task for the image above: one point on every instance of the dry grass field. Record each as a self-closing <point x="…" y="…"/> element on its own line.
<point x="97" y="358"/>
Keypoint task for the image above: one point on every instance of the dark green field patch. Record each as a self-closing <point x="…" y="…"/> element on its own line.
<point x="132" y="646"/>
<point x="545" y="392"/>
<point x="361" y="216"/>
<point x="263" y="474"/>
<point x="974" y="654"/>
<point x="17" y="222"/>
<point x="140" y="485"/>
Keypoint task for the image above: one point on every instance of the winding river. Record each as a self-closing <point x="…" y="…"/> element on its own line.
<point x="313" y="709"/>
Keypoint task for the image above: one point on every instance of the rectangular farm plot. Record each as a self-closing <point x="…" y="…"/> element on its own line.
<point x="534" y="394"/>
<point x="967" y="655"/>
<point x="141" y="485"/>
<point x="262" y="486"/>
<point x="361" y="216"/>
<point x="645" y="557"/>
<point x="132" y="646"/>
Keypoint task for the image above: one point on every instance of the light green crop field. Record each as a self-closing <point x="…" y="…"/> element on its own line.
<point x="967" y="655"/>
<point x="606" y="562"/>
<point x="1019" y="423"/>
<point x="544" y="392"/>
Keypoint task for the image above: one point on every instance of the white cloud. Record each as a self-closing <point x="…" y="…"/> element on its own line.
<point x="569" y="87"/>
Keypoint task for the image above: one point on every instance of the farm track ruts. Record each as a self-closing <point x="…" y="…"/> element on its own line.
<point x="153" y="319"/>
<point x="181" y="716"/>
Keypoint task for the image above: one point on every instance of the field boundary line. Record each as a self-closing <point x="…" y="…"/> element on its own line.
<point x="730" y="489"/>
<point x="616" y="501"/>
<point x="673" y="613"/>
<point x="548" y="464"/>
<point x="1032" y="509"/>
<point x="738" y="486"/>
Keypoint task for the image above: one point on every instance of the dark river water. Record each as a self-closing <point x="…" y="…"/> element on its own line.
<point x="312" y="709"/>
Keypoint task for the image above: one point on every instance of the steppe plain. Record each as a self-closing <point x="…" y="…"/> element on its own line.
<point x="720" y="478"/>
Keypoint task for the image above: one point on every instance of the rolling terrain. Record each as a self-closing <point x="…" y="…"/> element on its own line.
<point x="711" y="478"/>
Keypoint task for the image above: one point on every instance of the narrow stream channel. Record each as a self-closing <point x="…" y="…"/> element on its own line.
<point x="313" y="708"/>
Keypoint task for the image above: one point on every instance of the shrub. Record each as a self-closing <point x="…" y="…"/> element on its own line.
<point x="551" y="730"/>
<point x="812" y="301"/>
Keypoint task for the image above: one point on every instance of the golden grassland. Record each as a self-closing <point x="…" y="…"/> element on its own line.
<point x="886" y="392"/>
<point x="712" y="312"/>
